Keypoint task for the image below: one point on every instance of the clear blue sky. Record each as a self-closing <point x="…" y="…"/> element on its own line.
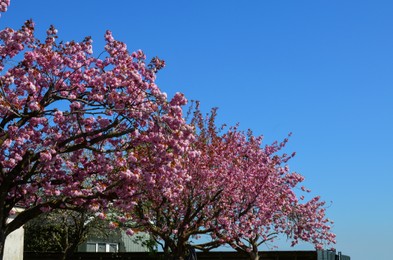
<point x="320" y="69"/>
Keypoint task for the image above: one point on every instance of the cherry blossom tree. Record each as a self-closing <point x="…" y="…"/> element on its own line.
<point x="279" y="211"/>
<point x="234" y="190"/>
<point x="70" y="121"/>
<point x="221" y="172"/>
<point x="266" y="208"/>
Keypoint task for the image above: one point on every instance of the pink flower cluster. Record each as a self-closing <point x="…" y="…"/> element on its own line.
<point x="4" y="5"/>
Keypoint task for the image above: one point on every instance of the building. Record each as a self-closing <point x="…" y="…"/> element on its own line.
<point x="115" y="242"/>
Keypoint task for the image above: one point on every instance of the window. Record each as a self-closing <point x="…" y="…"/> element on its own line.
<point x="102" y="247"/>
<point x="90" y="247"/>
<point x="113" y="248"/>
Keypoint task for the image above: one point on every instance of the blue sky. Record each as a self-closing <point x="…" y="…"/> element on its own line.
<point x="319" y="69"/>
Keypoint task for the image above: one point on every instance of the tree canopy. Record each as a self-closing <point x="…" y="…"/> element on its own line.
<point x="79" y="131"/>
<point x="238" y="192"/>
<point x="69" y="122"/>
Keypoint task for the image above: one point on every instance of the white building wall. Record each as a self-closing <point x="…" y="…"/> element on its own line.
<point x="13" y="248"/>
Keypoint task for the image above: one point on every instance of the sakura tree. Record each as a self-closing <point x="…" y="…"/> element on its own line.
<point x="270" y="207"/>
<point x="220" y="178"/>
<point x="279" y="211"/>
<point x="70" y="121"/>
<point x="231" y="188"/>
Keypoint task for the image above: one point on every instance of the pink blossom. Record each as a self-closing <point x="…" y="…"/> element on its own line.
<point x="75" y="105"/>
<point x="45" y="156"/>
<point x="129" y="232"/>
<point x="101" y="215"/>
<point x="4" y="5"/>
<point x="34" y="106"/>
<point x="113" y="225"/>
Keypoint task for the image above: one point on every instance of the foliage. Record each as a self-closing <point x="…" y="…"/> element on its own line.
<point x="280" y="212"/>
<point x="63" y="230"/>
<point x="233" y="189"/>
<point x="67" y="120"/>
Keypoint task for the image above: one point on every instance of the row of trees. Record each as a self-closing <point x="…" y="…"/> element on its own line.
<point x="85" y="132"/>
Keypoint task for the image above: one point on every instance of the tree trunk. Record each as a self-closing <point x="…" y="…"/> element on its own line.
<point x="69" y="252"/>
<point x="253" y="255"/>
<point x="180" y="257"/>
<point x="178" y="252"/>
<point x="167" y="255"/>
<point x="1" y="250"/>
<point x="2" y="243"/>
